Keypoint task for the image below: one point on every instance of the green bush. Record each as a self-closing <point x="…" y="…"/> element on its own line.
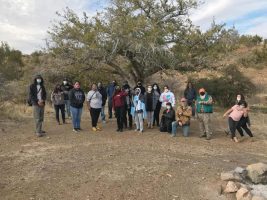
<point x="225" y="88"/>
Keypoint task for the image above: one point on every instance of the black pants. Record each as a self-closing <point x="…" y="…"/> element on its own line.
<point x="232" y="125"/>
<point x="95" y="112"/>
<point x="110" y="107"/>
<point x="60" y="108"/>
<point x="119" y="116"/>
<point x="156" y="114"/>
<point x="242" y="124"/>
<point x="126" y="112"/>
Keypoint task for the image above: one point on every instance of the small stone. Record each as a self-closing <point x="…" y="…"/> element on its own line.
<point x="240" y="170"/>
<point x="231" y="176"/>
<point x="243" y="194"/>
<point x="257" y="173"/>
<point x="232" y="187"/>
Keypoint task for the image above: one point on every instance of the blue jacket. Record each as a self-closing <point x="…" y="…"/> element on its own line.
<point x="110" y="90"/>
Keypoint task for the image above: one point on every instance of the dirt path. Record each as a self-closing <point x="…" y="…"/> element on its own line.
<point x="110" y="165"/>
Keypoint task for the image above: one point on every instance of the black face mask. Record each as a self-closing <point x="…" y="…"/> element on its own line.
<point x="202" y="93"/>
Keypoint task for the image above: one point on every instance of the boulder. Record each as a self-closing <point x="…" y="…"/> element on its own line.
<point x="240" y="170"/>
<point x="257" y="173"/>
<point x="243" y="194"/>
<point x="232" y="187"/>
<point x="231" y="176"/>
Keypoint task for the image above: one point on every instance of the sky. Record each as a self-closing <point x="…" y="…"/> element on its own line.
<point x="24" y="23"/>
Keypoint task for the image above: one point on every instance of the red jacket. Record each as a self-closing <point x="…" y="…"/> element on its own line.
<point x="118" y="99"/>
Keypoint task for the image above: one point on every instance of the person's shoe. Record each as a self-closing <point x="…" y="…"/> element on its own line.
<point x="235" y="139"/>
<point x="79" y="129"/>
<point x="94" y="129"/>
<point x="137" y="130"/>
<point x="75" y="130"/>
<point x="39" y="134"/>
<point x="141" y="131"/>
<point x="98" y="129"/>
<point x="208" y="138"/>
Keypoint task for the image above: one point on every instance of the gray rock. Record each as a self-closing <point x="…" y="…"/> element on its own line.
<point x="259" y="190"/>
<point x="240" y="170"/>
<point x="257" y="173"/>
<point x="243" y="194"/>
<point x="231" y="176"/>
<point x="232" y="187"/>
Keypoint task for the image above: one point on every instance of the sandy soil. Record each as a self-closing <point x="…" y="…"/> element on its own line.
<point x="111" y="165"/>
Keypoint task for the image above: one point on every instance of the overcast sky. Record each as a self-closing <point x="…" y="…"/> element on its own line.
<point x="24" y="23"/>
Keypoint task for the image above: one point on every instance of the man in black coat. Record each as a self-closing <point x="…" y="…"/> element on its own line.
<point x="102" y="90"/>
<point x="37" y="98"/>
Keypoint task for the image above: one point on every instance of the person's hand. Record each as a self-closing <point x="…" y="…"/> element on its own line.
<point x="180" y="123"/>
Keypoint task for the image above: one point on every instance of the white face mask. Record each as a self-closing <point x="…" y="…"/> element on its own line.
<point x="65" y="82"/>
<point x="242" y="106"/>
<point x="238" y="98"/>
<point x="155" y="87"/>
<point x="38" y="80"/>
<point x="168" y="107"/>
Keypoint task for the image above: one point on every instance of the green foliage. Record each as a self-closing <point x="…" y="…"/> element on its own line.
<point x="225" y="88"/>
<point x="250" y="41"/>
<point x="10" y="62"/>
<point x="258" y="59"/>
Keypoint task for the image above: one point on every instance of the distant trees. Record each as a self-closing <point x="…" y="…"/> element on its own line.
<point x="10" y="62"/>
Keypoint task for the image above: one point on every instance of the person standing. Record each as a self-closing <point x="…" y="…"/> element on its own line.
<point x="183" y="114"/>
<point x="191" y="95"/>
<point x="77" y="98"/>
<point x="138" y="110"/>
<point x="94" y="103"/>
<point x="204" y="109"/>
<point x="118" y="106"/>
<point x="128" y="122"/>
<point x="102" y="90"/>
<point x="156" y="91"/>
<point x="110" y="92"/>
<point x="37" y="97"/>
<point x="151" y="100"/>
<point x="57" y="98"/>
<point x="141" y="87"/>
<point x="167" y="97"/>
<point x="66" y="87"/>
<point x="235" y="114"/>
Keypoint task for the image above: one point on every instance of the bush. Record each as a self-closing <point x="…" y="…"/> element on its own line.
<point x="225" y="88"/>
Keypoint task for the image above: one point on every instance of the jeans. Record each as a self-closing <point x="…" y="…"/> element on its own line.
<point x="38" y="115"/>
<point x="62" y="110"/>
<point x="185" y="129"/>
<point x="95" y="112"/>
<point x="76" y="117"/>
<point x="110" y="107"/>
<point x="103" y="116"/>
<point x="119" y="116"/>
<point x="139" y="121"/>
<point x="150" y="116"/>
<point x="67" y="106"/>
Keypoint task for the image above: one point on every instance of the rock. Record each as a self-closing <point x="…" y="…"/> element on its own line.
<point x="259" y="190"/>
<point x="240" y="170"/>
<point x="258" y="198"/>
<point x="232" y="187"/>
<point x="243" y="194"/>
<point x="231" y="176"/>
<point x="257" y="173"/>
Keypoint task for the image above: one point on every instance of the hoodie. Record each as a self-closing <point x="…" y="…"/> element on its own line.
<point x="166" y="97"/>
<point x="37" y="91"/>
<point x="77" y="98"/>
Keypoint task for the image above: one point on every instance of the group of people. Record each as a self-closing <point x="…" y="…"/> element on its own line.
<point x="136" y="105"/>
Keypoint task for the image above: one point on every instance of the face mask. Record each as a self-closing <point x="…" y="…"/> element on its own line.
<point x="38" y="80"/>
<point x="137" y="93"/>
<point x="202" y="93"/>
<point x="155" y="87"/>
<point x="238" y="98"/>
<point x="168" y="107"/>
<point x="65" y="82"/>
<point x="242" y="106"/>
<point x="149" y="89"/>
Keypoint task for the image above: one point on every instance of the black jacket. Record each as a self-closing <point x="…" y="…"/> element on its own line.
<point x="66" y="89"/>
<point x="103" y="92"/>
<point x="33" y="100"/>
<point x="77" y="98"/>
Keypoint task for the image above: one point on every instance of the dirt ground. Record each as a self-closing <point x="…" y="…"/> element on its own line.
<point x="111" y="165"/>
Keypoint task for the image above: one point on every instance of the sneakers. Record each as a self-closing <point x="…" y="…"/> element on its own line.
<point x="75" y="130"/>
<point x="94" y="129"/>
<point x="137" y="130"/>
<point x="98" y="128"/>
